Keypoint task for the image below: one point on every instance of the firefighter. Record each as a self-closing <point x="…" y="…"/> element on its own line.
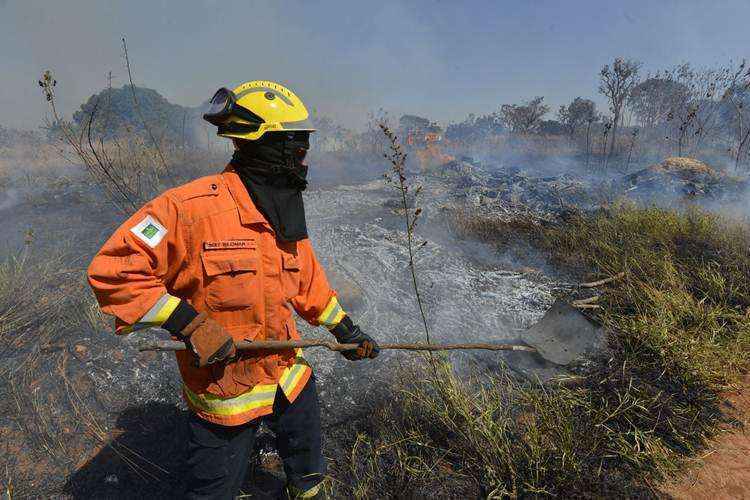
<point x="226" y="258"/>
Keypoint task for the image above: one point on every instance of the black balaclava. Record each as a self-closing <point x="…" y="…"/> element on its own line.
<point x="274" y="174"/>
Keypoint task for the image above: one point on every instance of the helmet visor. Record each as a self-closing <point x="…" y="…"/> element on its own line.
<point x="220" y="106"/>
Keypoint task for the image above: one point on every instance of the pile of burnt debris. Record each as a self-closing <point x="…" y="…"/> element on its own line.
<point x="684" y="177"/>
<point x="511" y="193"/>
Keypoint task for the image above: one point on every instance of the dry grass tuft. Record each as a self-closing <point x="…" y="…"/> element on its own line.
<point x="680" y="332"/>
<point x="53" y="418"/>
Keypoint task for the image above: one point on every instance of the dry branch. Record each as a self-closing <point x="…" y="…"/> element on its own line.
<point x="586" y="306"/>
<point x="588" y="300"/>
<point x="594" y="284"/>
<point x="174" y="345"/>
<point x="137" y="107"/>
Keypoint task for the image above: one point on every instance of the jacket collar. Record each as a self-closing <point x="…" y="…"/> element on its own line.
<point x="249" y="214"/>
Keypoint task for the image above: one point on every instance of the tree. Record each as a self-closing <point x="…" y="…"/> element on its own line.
<point x="736" y="109"/>
<point x="329" y="135"/>
<point x="616" y="83"/>
<point x="524" y="118"/>
<point x="551" y="127"/>
<point x="695" y="114"/>
<point x="474" y="128"/>
<point x="113" y="111"/>
<point x="655" y="98"/>
<point x="579" y="113"/>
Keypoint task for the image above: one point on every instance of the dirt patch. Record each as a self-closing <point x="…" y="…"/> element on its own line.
<point x="724" y="470"/>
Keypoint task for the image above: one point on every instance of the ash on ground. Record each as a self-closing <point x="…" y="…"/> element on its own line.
<point x="90" y="416"/>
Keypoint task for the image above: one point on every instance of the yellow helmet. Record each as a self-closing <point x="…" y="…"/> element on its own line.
<point x="257" y="107"/>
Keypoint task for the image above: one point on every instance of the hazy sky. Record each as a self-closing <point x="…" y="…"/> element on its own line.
<point x="438" y="58"/>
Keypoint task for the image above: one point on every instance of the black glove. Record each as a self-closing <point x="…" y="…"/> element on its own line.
<point x="347" y="332"/>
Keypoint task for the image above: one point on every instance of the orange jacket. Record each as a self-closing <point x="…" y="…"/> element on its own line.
<point x="206" y="242"/>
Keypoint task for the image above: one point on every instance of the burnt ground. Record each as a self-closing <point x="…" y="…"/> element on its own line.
<point x="86" y="416"/>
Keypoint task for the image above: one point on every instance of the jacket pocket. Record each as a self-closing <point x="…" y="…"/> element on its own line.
<point x="290" y="275"/>
<point x="231" y="279"/>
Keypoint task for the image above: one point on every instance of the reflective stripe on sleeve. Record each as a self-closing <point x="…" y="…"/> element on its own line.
<point x="157" y="315"/>
<point x="332" y="314"/>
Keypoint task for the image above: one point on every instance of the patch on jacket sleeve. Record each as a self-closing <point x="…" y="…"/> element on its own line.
<point x="150" y="231"/>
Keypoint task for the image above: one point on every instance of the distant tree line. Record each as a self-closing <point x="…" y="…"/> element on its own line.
<point x="11" y="136"/>
<point x="113" y="112"/>
<point x="680" y="111"/>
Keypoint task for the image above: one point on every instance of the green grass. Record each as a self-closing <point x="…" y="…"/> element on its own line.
<point x="687" y="290"/>
<point x="679" y="333"/>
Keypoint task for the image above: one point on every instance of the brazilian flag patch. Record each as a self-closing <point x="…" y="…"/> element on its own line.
<point x="150" y="231"/>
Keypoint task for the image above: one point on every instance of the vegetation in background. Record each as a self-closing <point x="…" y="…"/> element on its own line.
<point x="683" y="111"/>
<point x="524" y="118"/>
<point x="615" y="84"/>
<point x="9" y="137"/>
<point x="475" y="129"/>
<point x="115" y="115"/>
<point x="679" y="333"/>
<point x="129" y="164"/>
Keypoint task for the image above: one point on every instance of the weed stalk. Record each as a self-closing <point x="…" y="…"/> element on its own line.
<point x="397" y="158"/>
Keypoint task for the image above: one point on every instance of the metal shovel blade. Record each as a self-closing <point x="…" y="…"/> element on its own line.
<point x="564" y="334"/>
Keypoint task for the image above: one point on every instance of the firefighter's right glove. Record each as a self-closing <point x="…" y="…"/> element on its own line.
<point x="208" y="340"/>
<point x="346" y="332"/>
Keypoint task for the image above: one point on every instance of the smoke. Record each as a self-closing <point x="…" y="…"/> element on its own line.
<point x="9" y="198"/>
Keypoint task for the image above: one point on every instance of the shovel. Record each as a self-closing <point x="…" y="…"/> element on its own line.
<point x="561" y="336"/>
<point x="176" y="345"/>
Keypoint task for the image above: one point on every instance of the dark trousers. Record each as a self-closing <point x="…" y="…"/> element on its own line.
<point x="218" y="455"/>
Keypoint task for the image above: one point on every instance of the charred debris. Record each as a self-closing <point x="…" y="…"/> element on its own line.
<point x="512" y="192"/>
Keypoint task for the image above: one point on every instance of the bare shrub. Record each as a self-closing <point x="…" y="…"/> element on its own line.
<point x="524" y="118"/>
<point x="616" y="83"/>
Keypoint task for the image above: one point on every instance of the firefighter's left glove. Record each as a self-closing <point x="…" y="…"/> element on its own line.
<point x="208" y="340"/>
<point x="346" y="332"/>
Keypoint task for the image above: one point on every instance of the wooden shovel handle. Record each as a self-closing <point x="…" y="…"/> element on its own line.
<point x="276" y="345"/>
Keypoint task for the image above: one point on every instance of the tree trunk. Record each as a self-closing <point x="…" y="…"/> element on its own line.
<point x="740" y="139"/>
<point x="604" y="151"/>
<point x="740" y="148"/>
<point x="630" y="155"/>
<point x="615" y="123"/>
<point x="588" y="140"/>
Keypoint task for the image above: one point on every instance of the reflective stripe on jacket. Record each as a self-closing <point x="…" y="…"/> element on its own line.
<point x="205" y="242"/>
